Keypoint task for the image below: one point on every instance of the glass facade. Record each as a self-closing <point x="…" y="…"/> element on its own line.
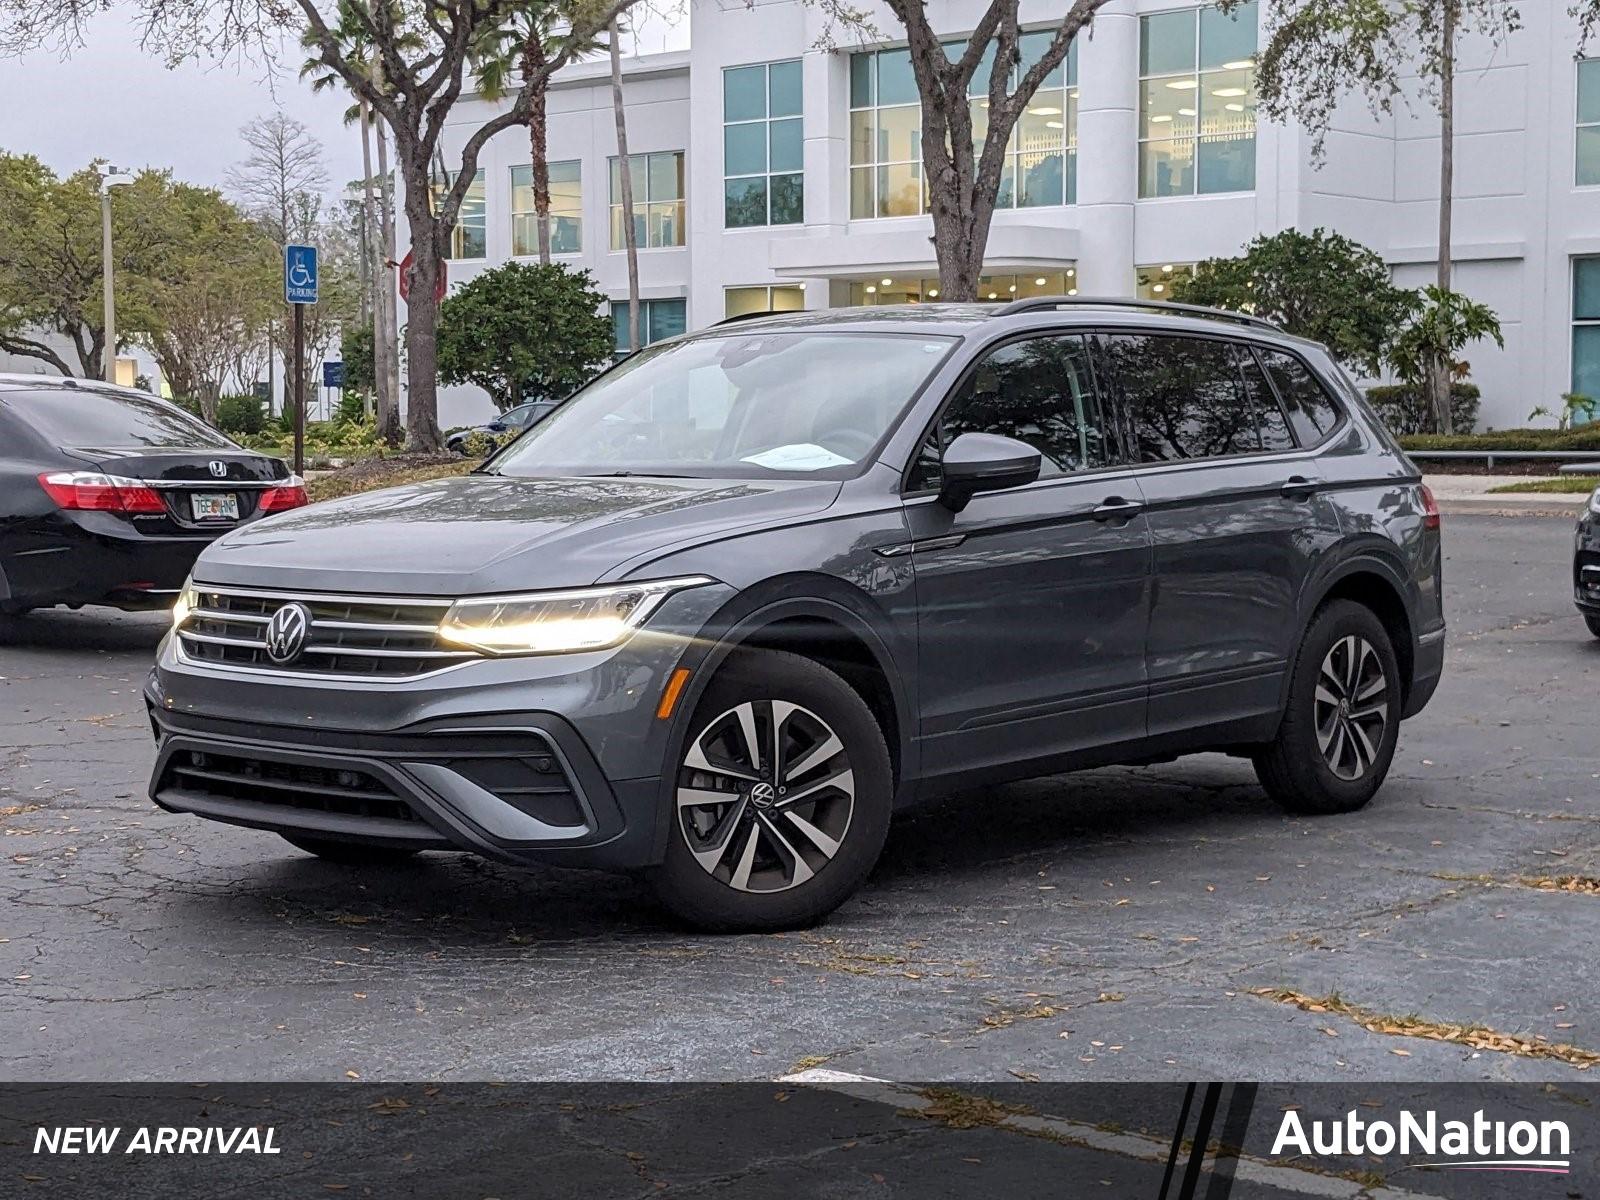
<point x="1589" y="123"/>
<point x="470" y="237"/>
<point x="1197" y="101"/>
<point x="658" y="216"/>
<point x="991" y="288"/>
<point x="1155" y="282"/>
<point x="762" y="150"/>
<point x="742" y="301"/>
<point x="886" y="133"/>
<point x="1586" y="326"/>
<point x="566" y="210"/>
<point x="658" y="319"/>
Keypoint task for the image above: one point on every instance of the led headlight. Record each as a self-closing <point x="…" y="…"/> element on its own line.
<point x="1594" y="502"/>
<point x="557" y="622"/>
<point x="188" y="600"/>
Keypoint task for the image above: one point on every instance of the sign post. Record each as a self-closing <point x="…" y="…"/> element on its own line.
<point x="299" y="290"/>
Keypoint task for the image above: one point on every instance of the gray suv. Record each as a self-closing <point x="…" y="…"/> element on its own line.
<point x="752" y="590"/>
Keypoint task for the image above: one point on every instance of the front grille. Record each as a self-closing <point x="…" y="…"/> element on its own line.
<point x="363" y="636"/>
<point x="346" y="791"/>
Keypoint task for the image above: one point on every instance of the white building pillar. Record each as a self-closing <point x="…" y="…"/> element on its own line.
<point x="826" y="81"/>
<point x="1108" y="149"/>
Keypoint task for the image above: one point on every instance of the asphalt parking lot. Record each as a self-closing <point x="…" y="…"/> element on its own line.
<point x="1141" y="924"/>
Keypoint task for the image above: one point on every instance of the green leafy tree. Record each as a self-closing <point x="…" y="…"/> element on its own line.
<point x="1320" y="51"/>
<point x="521" y="331"/>
<point x="1447" y="323"/>
<point x="1317" y="285"/>
<point x="356" y="348"/>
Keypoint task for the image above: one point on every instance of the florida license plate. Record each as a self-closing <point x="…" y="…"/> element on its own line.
<point x="214" y="506"/>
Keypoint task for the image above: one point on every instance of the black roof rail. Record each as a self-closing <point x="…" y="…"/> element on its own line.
<point x="1048" y="303"/>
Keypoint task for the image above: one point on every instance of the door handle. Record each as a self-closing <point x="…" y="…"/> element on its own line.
<point x="1115" y="508"/>
<point x="1298" y="487"/>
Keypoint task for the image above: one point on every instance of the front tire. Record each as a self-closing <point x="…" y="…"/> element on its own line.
<point x="1339" y="732"/>
<point x="349" y="853"/>
<point x="781" y="798"/>
<point x="1593" y="622"/>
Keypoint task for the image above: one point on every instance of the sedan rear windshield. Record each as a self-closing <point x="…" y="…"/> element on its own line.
<point x="85" y="417"/>
<point x="782" y="403"/>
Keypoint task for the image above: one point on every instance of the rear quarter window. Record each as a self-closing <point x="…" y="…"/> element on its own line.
<point x="1312" y="411"/>
<point x="1185" y="396"/>
<point x="86" y="417"/>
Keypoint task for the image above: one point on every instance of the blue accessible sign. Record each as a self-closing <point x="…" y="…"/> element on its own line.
<point x="332" y="374"/>
<point x="300" y="274"/>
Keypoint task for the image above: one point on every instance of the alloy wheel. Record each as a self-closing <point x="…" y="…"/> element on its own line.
<point x="765" y="795"/>
<point x="1351" y="707"/>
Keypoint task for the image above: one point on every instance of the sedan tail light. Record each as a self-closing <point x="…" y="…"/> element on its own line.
<point x="92" y="491"/>
<point x="1430" y="509"/>
<point x="291" y="493"/>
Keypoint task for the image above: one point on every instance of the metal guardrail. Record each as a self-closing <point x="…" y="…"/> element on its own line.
<point x="1569" y="456"/>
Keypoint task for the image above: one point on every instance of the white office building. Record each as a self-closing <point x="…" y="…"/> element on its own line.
<point x="771" y="174"/>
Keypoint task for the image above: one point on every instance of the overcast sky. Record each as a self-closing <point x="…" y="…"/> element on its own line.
<point x="111" y="100"/>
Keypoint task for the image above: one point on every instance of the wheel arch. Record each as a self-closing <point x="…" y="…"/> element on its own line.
<point x="828" y="622"/>
<point x="1371" y="576"/>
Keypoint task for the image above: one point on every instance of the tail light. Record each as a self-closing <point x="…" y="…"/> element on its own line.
<point x="1430" y="509"/>
<point x="291" y="493"/>
<point x="89" y="491"/>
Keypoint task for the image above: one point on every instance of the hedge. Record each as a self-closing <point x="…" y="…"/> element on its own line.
<point x="1585" y="437"/>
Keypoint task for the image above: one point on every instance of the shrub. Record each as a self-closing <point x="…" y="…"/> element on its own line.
<point x="240" y="414"/>
<point x="1406" y="410"/>
<point x="1585" y="437"/>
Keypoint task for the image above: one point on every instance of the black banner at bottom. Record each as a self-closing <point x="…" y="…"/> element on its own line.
<point x="821" y="1135"/>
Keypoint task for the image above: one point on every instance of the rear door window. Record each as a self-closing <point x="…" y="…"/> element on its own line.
<point x="1311" y="410"/>
<point x="1271" y="423"/>
<point x="89" y="418"/>
<point x="1184" y="396"/>
<point x="1040" y="390"/>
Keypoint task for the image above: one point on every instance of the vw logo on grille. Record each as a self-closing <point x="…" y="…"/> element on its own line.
<point x="286" y="633"/>
<point x="217" y="467"/>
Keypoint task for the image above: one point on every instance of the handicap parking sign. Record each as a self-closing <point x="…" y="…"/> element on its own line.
<point x="300" y="274"/>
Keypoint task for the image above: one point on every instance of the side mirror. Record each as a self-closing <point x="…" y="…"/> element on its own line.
<point x="985" y="462"/>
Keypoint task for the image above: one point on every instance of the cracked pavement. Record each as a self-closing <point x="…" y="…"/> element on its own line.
<point x="1110" y="925"/>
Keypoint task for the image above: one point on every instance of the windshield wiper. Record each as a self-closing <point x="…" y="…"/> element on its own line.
<point x="633" y="475"/>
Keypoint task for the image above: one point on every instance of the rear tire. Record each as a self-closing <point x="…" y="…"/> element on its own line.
<point x="772" y="724"/>
<point x="349" y="853"/>
<point x="1342" y="723"/>
<point x="1593" y="622"/>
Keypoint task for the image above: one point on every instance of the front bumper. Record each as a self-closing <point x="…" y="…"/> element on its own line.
<point x="554" y="759"/>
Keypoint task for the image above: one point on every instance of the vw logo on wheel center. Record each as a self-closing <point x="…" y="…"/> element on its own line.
<point x="286" y="633"/>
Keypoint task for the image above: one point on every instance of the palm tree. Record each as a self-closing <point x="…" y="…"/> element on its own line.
<point x="630" y="237"/>
<point x="525" y="46"/>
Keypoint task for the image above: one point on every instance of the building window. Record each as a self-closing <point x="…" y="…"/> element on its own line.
<point x="741" y="301"/>
<point x="470" y="237"/>
<point x="1589" y="122"/>
<point x="1586" y="327"/>
<point x="1155" y="282"/>
<point x="991" y="288"/>
<point x="566" y="210"/>
<point x="886" y="133"/>
<point x="658" y="319"/>
<point x="1197" y="106"/>
<point x="762" y="155"/>
<point x="657" y="200"/>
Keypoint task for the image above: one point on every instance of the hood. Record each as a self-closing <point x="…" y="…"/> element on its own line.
<point x="480" y="534"/>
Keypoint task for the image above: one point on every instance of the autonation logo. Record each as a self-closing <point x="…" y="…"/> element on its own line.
<point x="1480" y="1144"/>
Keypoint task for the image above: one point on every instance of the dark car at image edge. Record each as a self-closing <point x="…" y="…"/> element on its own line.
<point x="108" y="494"/>
<point x="754" y="588"/>
<point x="1586" y="564"/>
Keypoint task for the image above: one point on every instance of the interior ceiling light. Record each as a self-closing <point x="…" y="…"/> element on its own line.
<point x="933" y="292"/>
<point x="887" y="282"/>
<point x="1234" y="107"/>
<point x="1159" y="288"/>
<point x="1159" y="117"/>
<point x="1040" y="282"/>
<point x="1239" y="64"/>
<point x="1183" y="85"/>
<point x="1230" y="91"/>
<point x="1072" y="291"/>
<point x="1186" y="112"/>
<point x="1049" y="111"/>
<point x="1054" y="125"/>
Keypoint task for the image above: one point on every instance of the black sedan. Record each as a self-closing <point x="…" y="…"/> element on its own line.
<point x="1586" y="565"/>
<point x="107" y="494"/>
<point x="506" y="426"/>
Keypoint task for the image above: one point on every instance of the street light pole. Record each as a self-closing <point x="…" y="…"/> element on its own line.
<point x="110" y="177"/>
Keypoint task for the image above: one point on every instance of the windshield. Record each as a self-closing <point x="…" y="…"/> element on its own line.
<point x="784" y="402"/>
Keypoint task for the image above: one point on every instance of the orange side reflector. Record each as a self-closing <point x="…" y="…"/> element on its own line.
<point x="669" y="696"/>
